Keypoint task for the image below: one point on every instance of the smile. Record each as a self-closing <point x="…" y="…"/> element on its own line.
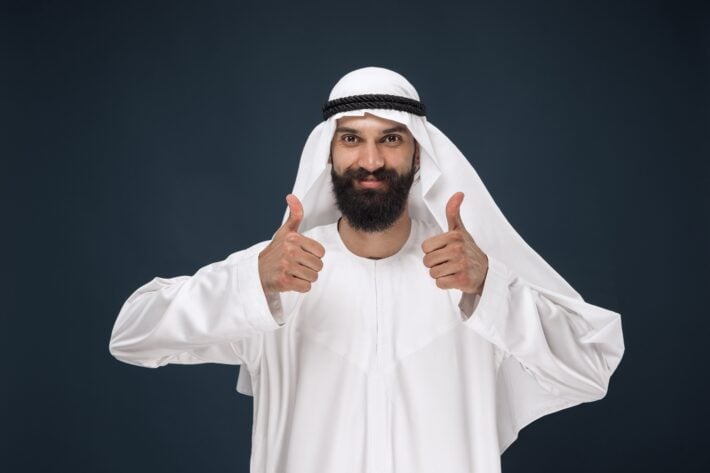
<point x="370" y="184"/>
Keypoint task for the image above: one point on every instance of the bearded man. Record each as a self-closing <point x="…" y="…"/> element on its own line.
<point x="395" y="321"/>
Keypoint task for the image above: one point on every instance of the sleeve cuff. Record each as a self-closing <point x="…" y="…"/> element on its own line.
<point x="495" y="289"/>
<point x="257" y="306"/>
<point x="483" y="312"/>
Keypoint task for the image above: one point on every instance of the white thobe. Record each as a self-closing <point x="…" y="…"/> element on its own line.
<point x="376" y="369"/>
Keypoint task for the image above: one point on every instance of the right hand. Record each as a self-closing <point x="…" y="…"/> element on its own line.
<point x="291" y="261"/>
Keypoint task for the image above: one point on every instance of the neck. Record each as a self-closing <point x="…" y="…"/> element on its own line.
<point x="376" y="245"/>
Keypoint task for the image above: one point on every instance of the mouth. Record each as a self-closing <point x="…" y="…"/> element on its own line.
<point x="370" y="183"/>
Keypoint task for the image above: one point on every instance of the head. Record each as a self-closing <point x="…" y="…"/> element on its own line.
<point x="374" y="161"/>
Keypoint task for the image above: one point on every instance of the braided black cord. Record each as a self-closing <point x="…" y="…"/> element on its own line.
<point x="357" y="102"/>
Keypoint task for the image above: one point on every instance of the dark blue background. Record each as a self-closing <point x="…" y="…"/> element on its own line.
<point x="144" y="139"/>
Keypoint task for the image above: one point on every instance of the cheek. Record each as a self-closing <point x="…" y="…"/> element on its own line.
<point x="401" y="160"/>
<point x="342" y="161"/>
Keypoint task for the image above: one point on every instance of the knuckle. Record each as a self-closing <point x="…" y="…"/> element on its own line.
<point x="282" y="279"/>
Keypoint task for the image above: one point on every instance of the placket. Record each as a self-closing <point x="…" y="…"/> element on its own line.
<point x="378" y="397"/>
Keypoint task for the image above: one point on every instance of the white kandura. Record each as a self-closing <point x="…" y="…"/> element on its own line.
<point x="376" y="369"/>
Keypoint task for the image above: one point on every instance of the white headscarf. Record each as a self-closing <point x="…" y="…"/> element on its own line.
<point x="444" y="171"/>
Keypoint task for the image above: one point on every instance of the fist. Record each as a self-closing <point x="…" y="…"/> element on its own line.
<point x="453" y="258"/>
<point x="291" y="261"/>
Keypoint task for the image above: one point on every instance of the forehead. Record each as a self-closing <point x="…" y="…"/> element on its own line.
<point x="369" y="122"/>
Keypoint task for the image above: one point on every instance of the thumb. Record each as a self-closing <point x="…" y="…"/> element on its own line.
<point x="453" y="211"/>
<point x="295" y="213"/>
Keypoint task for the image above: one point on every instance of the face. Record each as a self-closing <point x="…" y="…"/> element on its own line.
<point x="374" y="163"/>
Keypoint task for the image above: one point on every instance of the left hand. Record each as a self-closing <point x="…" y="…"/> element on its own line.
<point x="454" y="259"/>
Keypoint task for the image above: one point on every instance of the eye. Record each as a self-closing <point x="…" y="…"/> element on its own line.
<point x="349" y="138"/>
<point x="393" y="138"/>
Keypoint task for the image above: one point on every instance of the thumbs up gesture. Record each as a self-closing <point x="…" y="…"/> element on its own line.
<point x="453" y="258"/>
<point x="291" y="261"/>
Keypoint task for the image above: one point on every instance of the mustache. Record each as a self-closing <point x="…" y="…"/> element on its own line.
<point x="380" y="174"/>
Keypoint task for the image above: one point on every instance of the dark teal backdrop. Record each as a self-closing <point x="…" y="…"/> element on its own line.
<point x="144" y="139"/>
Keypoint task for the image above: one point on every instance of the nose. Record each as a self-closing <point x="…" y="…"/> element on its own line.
<point x="370" y="157"/>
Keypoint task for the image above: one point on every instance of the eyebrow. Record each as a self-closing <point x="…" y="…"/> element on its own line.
<point x="343" y="129"/>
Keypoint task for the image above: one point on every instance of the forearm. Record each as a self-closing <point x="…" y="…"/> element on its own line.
<point x="569" y="346"/>
<point x="166" y="320"/>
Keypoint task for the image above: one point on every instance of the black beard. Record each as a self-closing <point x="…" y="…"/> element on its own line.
<point x="372" y="210"/>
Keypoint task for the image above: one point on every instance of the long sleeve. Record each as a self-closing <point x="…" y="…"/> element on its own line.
<point x="570" y="347"/>
<point x="204" y="318"/>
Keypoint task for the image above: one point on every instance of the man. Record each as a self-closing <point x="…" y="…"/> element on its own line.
<point x="395" y="321"/>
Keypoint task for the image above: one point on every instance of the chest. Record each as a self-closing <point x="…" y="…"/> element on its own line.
<point x="371" y="311"/>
